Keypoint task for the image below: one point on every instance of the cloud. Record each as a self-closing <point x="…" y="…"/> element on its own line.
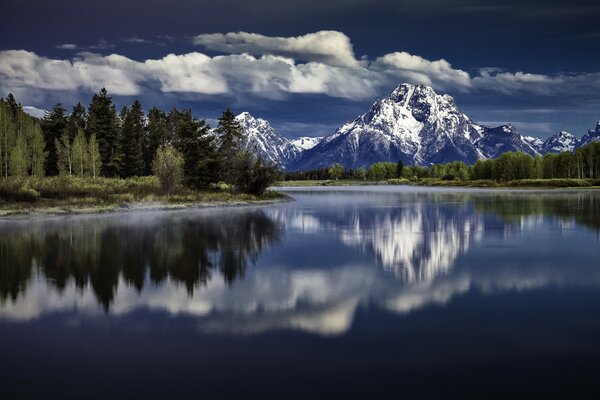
<point x="67" y="46"/>
<point x="321" y="63"/>
<point x="136" y="39"/>
<point x="438" y="73"/>
<point x="329" y="47"/>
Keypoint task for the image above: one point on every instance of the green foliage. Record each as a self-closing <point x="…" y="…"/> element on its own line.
<point x="156" y="136"/>
<point x="335" y="171"/>
<point x="19" y="157"/>
<point x="102" y="122"/>
<point x="229" y="133"/>
<point x="382" y="170"/>
<point x="64" y="154"/>
<point x="133" y="141"/>
<point x="54" y="127"/>
<point x="360" y="173"/>
<point x="168" y="167"/>
<point x="252" y="174"/>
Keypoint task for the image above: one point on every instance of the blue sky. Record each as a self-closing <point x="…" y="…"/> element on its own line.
<point x="309" y="65"/>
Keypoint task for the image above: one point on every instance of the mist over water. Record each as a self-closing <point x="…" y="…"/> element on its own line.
<point x="401" y="282"/>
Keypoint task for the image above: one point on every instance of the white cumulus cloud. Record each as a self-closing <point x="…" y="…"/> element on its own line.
<point x="330" y="47"/>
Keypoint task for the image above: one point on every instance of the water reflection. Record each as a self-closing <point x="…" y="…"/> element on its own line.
<point x="337" y="251"/>
<point x="135" y="250"/>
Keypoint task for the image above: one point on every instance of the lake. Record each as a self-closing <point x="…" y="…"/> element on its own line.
<point x="346" y="291"/>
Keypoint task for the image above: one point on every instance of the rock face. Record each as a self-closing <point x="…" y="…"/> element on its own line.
<point x="593" y="135"/>
<point x="262" y="139"/>
<point x="562" y="141"/>
<point x="416" y="125"/>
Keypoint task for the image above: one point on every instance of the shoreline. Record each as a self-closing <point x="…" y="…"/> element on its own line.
<point x="136" y="206"/>
<point x="551" y="184"/>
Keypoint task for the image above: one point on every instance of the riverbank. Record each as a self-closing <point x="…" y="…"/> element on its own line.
<point x="521" y="184"/>
<point x="69" y="195"/>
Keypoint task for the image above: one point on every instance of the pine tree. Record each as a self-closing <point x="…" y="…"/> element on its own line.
<point x="93" y="157"/>
<point x="132" y="136"/>
<point x="197" y="146"/>
<point x="76" y="121"/>
<point x="156" y="134"/>
<point x="102" y="123"/>
<point x="64" y="152"/>
<point x="80" y="156"/>
<point x="230" y="135"/>
<point x="54" y="126"/>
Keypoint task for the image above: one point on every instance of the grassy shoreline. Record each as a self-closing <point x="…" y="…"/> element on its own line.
<point x="517" y="184"/>
<point x="68" y="195"/>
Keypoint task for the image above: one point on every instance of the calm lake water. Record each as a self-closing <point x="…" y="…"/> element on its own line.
<point x="363" y="291"/>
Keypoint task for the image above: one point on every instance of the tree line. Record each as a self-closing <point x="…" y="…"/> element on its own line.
<point x="99" y="141"/>
<point x="583" y="163"/>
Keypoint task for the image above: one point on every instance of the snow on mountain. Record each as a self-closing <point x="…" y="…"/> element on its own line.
<point x="534" y="142"/>
<point x="416" y="125"/>
<point x="306" y="142"/>
<point x="593" y="135"/>
<point x="261" y="138"/>
<point x="562" y="141"/>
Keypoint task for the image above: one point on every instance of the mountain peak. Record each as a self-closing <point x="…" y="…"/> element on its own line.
<point x="260" y="137"/>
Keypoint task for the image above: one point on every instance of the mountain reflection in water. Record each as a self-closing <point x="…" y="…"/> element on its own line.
<point x="316" y="260"/>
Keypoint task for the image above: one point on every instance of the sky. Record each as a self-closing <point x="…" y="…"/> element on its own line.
<point x="308" y="66"/>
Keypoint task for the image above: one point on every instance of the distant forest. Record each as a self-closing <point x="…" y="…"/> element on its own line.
<point x="99" y="141"/>
<point x="584" y="163"/>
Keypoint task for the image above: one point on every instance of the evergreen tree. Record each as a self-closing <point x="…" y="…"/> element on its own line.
<point x="64" y="152"/>
<point x="54" y="126"/>
<point x="132" y="136"/>
<point x="102" y="123"/>
<point x="93" y="157"/>
<point x="230" y="135"/>
<point x="399" y="168"/>
<point x="197" y="145"/>
<point x="76" y="121"/>
<point x="156" y="134"/>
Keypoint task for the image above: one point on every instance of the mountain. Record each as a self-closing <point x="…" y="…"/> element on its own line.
<point x="260" y="137"/>
<point x="562" y="141"/>
<point x="416" y="125"/>
<point x="306" y="142"/>
<point x="593" y="135"/>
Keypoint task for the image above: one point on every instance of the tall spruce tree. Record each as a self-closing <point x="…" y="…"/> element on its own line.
<point x="156" y="136"/>
<point x="54" y="126"/>
<point x="197" y="145"/>
<point x="230" y="135"/>
<point x="76" y="121"/>
<point x="102" y="123"/>
<point x="132" y="136"/>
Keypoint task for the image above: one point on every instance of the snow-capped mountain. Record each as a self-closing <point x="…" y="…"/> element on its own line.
<point x="261" y="138"/>
<point x="558" y="143"/>
<point x="534" y="142"/>
<point x="306" y="142"/>
<point x="593" y="135"/>
<point x="416" y="125"/>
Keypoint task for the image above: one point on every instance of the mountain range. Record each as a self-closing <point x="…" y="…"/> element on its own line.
<point x="413" y="124"/>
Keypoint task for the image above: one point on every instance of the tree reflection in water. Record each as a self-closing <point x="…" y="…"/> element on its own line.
<point x="184" y="247"/>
